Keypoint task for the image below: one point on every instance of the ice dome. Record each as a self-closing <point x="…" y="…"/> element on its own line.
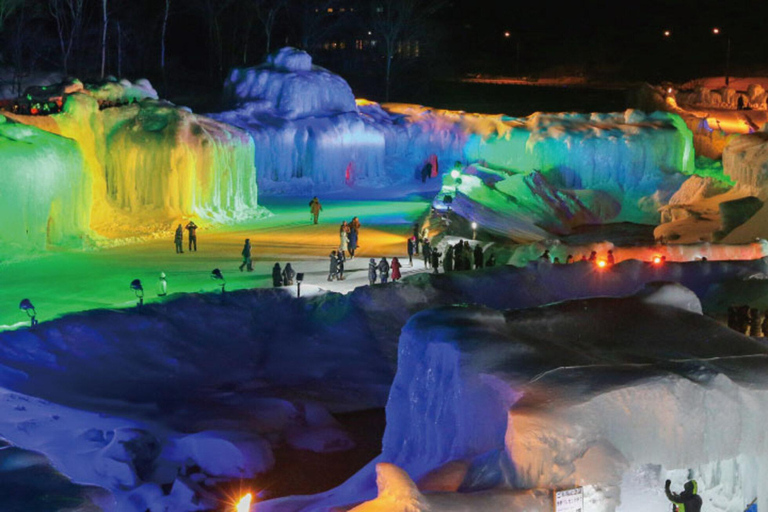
<point x="289" y="86"/>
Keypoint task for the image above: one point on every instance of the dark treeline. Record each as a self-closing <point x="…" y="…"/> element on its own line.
<point x="383" y="47"/>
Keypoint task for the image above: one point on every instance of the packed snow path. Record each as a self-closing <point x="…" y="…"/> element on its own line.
<point x="62" y="282"/>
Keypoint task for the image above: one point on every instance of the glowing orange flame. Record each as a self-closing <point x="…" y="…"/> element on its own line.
<point x="244" y="505"/>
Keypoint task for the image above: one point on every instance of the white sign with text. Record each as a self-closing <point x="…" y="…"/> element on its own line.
<point x="571" y="500"/>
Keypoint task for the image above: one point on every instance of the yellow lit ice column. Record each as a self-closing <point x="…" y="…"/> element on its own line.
<point x="175" y="163"/>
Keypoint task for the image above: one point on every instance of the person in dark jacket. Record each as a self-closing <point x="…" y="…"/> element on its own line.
<point x="426" y="172"/>
<point x="246" y="253"/>
<point x="277" y="276"/>
<point x="288" y="275"/>
<point x="457" y="255"/>
<point x="333" y="270"/>
<point x="435" y="259"/>
<point x="416" y="237"/>
<point x="372" y="271"/>
<point x="315" y="208"/>
<point x="352" y="244"/>
<point x="383" y="270"/>
<point x="192" y="228"/>
<point x="686" y="501"/>
<point x="448" y="260"/>
<point x="411" y="249"/>
<point x="340" y="259"/>
<point x="426" y="252"/>
<point x="178" y="239"/>
<point x="478" y="256"/>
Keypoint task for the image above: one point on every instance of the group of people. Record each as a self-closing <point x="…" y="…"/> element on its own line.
<point x="382" y="269"/>
<point x="747" y="320"/>
<point x="610" y="259"/>
<point x="282" y="277"/>
<point x="348" y="237"/>
<point x="178" y="238"/>
<point x="462" y="256"/>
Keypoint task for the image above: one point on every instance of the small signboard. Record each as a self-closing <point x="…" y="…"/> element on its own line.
<point x="570" y="500"/>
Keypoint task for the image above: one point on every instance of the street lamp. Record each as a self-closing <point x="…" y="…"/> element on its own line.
<point x="474" y="230"/>
<point x="667" y="33"/>
<point x="716" y="31"/>
<point x="138" y="290"/>
<point x="216" y="275"/>
<point x="26" y="306"/>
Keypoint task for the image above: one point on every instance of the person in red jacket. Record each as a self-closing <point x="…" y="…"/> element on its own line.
<point x="395" y="266"/>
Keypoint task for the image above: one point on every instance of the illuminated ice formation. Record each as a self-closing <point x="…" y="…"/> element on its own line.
<point x="149" y="162"/>
<point x="547" y="399"/>
<point x="45" y="194"/>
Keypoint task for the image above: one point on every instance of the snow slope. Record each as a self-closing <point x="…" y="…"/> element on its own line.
<point x="218" y="380"/>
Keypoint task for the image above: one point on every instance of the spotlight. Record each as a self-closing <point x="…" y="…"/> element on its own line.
<point x="138" y="290"/>
<point x="26" y="306"/>
<point x="601" y="263"/>
<point x="244" y="505"/>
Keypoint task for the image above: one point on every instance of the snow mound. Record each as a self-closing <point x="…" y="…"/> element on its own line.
<point x="745" y="159"/>
<point x="290" y="87"/>
<point x="671" y="294"/>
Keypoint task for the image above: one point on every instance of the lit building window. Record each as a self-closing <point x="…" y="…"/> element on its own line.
<point x="343" y="45"/>
<point x="330" y="9"/>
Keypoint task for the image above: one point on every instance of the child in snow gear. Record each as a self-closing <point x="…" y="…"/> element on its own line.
<point x="277" y="276"/>
<point x="372" y="271"/>
<point x="315" y="208"/>
<point x="246" y="252"/>
<point x="686" y="501"/>
<point x="395" y="269"/>
<point x="178" y="239"/>
<point x="333" y="270"/>
<point x="383" y="270"/>
<point x="288" y="275"/>
<point x="192" y="228"/>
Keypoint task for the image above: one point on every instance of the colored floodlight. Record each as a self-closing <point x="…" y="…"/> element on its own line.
<point x="244" y="505"/>
<point x="455" y="173"/>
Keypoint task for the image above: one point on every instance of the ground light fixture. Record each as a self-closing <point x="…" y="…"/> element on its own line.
<point x="216" y="275"/>
<point x="602" y="264"/>
<point x="138" y="290"/>
<point x="26" y="306"/>
<point x="474" y="230"/>
<point x="299" y="279"/>
<point x="658" y="260"/>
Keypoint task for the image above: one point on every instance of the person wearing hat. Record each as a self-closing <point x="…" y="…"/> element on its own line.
<point x="686" y="501"/>
<point x="162" y="286"/>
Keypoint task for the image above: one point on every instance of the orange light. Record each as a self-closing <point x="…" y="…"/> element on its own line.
<point x="244" y="505"/>
<point x="601" y="263"/>
<point x="667" y="33"/>
<point x="507" y="34"/>
<point x="715" y="30"/>
<point x="657" y="260"/>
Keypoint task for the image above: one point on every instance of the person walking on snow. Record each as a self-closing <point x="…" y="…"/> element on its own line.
<point x="395" y="269"/>
<point x="192" y="228"/>
<point x="478" y="256"/>
<point x="416" y="237"/>
<point x="686" y="501"/>
<point x="352" y="244"/>
<point x="411" y="248"/>
<point x="277" y="276"/>
<point x="343" y="237"/>
<point x="315" y="208"/>
<point x="178" y="239"/>
<point x="333" y="269"/>
<point x="383" y="270"/>
<point x="246" y="253"/>
<point x="435" y="254"/>
<point x="448" y="259"/>
<point x="372" y="271"/>
<point x="354" y="224"/>
<point x="426" y="251"/>
<point x="288" y="275"/>
<point x="340" y="259"/>
<point x="162" y="286"/>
